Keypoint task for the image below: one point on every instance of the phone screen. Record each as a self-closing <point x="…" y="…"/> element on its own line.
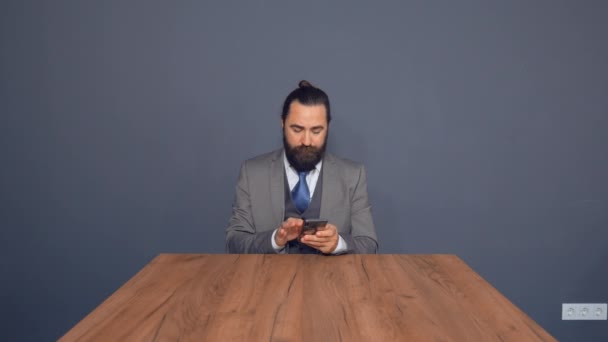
<point x="312" y="225"/>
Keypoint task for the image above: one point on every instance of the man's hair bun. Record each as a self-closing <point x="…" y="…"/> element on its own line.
<point x="305" y="83"/>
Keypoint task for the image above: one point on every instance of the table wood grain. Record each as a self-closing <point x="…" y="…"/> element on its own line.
<point x="202" y="297"/>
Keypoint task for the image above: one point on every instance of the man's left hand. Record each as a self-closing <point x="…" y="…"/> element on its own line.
<point x="325" y="239"/>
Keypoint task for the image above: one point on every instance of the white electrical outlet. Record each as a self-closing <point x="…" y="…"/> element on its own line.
<point x="584" y="311"/>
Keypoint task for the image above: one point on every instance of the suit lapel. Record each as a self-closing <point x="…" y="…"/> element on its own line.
<point x="330" y="184"/>
<point x="277" y="187"/>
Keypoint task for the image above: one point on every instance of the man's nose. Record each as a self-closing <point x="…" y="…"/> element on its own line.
<point x="306" y="139"/>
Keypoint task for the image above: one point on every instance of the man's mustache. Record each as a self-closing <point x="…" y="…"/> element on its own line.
<point x="302" y="148"/>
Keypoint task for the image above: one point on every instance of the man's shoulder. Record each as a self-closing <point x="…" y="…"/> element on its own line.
<point x="264" y="158"/>
<point x="340" y="162"/>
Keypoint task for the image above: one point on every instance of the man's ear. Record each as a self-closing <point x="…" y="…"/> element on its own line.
<point x="282" y="123"/>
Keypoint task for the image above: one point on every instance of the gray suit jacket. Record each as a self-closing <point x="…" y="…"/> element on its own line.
<point x="259" y="204"/>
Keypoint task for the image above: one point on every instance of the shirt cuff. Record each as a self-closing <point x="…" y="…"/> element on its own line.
<point x="341" y="248"/>
<point x="277" y="248"/>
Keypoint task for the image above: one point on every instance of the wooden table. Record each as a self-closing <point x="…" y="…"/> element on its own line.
<point x="201" y="297"/>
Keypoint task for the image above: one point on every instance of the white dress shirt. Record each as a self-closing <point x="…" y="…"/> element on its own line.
<point x="311" y="180"/>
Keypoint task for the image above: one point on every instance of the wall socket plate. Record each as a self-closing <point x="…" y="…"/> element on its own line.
<point x="584" y="311"/>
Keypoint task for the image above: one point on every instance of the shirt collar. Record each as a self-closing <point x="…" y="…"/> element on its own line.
<point x="288" y="166"/>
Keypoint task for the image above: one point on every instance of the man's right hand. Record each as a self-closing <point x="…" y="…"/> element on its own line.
<point x="289" y="230"/>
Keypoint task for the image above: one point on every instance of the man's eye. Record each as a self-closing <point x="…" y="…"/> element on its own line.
<point x="297" y="130"/>
<point x="317" y="131"/>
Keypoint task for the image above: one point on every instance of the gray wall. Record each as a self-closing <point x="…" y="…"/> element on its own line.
<point x="484" y="127"/>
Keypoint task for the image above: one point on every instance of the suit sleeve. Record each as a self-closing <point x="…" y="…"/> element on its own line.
<point x="362" y="238"/>
<point x="241" y="234"/>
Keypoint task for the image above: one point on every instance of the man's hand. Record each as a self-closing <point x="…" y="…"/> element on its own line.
<point x="325" y="239"/>
<point x="289" y="230"/>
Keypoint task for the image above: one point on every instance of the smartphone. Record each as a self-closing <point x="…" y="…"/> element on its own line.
<point x="311" y="225"/>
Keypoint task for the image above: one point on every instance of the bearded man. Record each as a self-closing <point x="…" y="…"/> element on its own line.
<point x="277" y="192"/>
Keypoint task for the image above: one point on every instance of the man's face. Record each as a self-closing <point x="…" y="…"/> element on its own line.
<point x="305" y="135"/>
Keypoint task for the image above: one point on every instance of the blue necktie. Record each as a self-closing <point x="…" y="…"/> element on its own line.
<point x="300" y="194"/>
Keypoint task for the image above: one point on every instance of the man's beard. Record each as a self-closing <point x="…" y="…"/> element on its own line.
<point x="304" y="158"/>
